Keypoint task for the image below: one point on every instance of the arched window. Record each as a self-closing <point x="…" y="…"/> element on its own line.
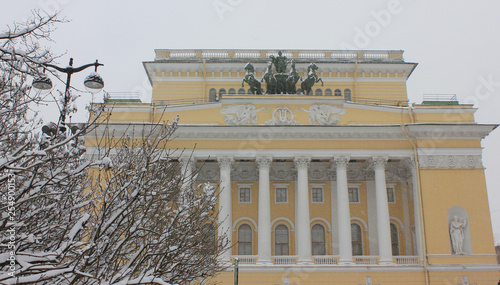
<point x="222" y="91"/>
<point x="328" y="92"/>
<point x="357" y="239"/>
<point x="245" y="240"/>
<point x="241" y="91"/>
<point x="212" y="95"/>
<point x="249" y="91"/>
<point x="208" y="234"/>
<point x="299" y="90"/>
<point x="338" y="92"/>
<point x="281" y="244"/>
<point x="232" y="91"/>
<point x="394" y="239"/>
<point x="318" y="92"/>
<point x="347" y="94"/>
<point x="318" y="240"/>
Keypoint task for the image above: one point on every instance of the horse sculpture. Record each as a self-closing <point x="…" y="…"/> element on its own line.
<point x="271" y="81"/>
<point x="312" y="78"/>
<point x="292" y="80"/>
<point x="251" y="80"/>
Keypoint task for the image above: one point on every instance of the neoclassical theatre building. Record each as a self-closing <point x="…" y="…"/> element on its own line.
<point x="327" y="174"/>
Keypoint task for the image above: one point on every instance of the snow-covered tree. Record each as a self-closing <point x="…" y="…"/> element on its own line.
<point x="146" y="225"/>
<point x="41" y="175"/>
<point x="65" y="219"/>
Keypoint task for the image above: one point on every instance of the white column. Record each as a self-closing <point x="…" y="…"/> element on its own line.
<point x="187" y="164"/>
<point x="225" y="203"/>
<point x="343" y="213"/>
<point x="416" y="207"/>
<point x="264" y="216"/>
<point x="303" y="228"/>
<point x="383" y="224"/>
<point x="406" y="217"/>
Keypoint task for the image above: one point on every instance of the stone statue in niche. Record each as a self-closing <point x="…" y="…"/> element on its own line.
<point x="457" y="234"/>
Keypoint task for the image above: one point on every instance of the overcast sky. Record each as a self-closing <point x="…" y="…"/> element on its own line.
<point x="455" y="42"/>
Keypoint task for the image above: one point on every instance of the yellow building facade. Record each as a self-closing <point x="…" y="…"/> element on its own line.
<point x="347" y="184"/>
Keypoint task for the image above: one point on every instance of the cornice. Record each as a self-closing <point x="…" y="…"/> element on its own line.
<point x="312" y="132"/>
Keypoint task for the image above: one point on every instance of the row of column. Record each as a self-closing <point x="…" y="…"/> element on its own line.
<point x="303" y="232"/>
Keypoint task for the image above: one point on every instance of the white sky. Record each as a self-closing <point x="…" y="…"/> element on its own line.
<point x="455" y="42"/>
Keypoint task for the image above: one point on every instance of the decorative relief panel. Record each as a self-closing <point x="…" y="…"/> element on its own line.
<point x="282" y="116"/>
<point x="327" y="115"/>
<point x="282" y="171"/>
<point x="208" y="172"/>
<point x="245" y="171"/>
<point x="238" y="115"/>
<point x="450" y="161"/>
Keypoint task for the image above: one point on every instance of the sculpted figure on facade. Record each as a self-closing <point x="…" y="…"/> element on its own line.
<point x="279" y="62"/>
<point x="327" y="115"/>
<point x="292" y="80"/>
<point x="457" y="228"/>
<point x="239" y="115"/>
<point x="312" y="78"/>
<point x="251" y="80"/>
<point x="270" y="80"/>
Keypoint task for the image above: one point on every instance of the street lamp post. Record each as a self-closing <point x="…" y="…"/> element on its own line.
<point x="93" y="82"/>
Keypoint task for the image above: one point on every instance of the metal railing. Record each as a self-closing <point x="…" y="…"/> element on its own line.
<point x="366" y="259"/>
<point x="284" y="259"/>
<point x="440" y="97"/>
<point x="370" y="55"/>
<point x="184" y="101"/>
<point x="383" y="102"/>
<point x="325" y="259"/>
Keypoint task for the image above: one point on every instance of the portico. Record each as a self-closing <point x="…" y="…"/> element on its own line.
<point x="311" y="178"/>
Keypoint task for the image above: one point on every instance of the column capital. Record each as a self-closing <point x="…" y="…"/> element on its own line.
<point x="263" y="161"/>
<point x="186" y="160"/>
<point x="225" y="161"/>
<point x="341" y="161"/>
<point x="379" y="161"/>
<point x="301" y="162"/>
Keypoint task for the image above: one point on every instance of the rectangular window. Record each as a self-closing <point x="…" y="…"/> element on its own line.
<point x="353" y="195"/>
<point x="245" y="195"/>
<point x="317" y="195"/>
<point x="281" y="195"/>
<point x="390" y="195"/>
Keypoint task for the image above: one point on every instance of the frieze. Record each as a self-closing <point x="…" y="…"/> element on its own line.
<point x="450" y="161"/>
<point x="282" y="116"/>
<point x="325" y="115"/>
<point x="238" y="115"/>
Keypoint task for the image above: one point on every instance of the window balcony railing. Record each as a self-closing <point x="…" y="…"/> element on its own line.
<point x="246" y="259"/>
<point x="362" y="260"/>
<point x="366" y="259"/>
<point x="406" y="260"/>
<point x="284" y="259"/>
<point x="325" y="259"/>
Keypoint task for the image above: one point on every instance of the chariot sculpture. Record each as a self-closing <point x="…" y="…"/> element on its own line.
<point x="281" y="82"/>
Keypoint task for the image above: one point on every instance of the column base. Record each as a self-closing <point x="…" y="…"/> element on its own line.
<point x="386" y="262"/>
<point x="305" y="262"/>
<point x="264" y="262"/>
<point x="346" y="262"/>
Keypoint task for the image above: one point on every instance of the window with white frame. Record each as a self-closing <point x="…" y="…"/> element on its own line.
<point x="245" y="193"/>
<point x="353" y="194"/>
<point x="317" y="193"/>
<point x="391" y="195"/>
<point x="281" y="194"/>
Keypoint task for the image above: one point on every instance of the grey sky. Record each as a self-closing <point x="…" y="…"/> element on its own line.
<point x="454" y="41"/>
